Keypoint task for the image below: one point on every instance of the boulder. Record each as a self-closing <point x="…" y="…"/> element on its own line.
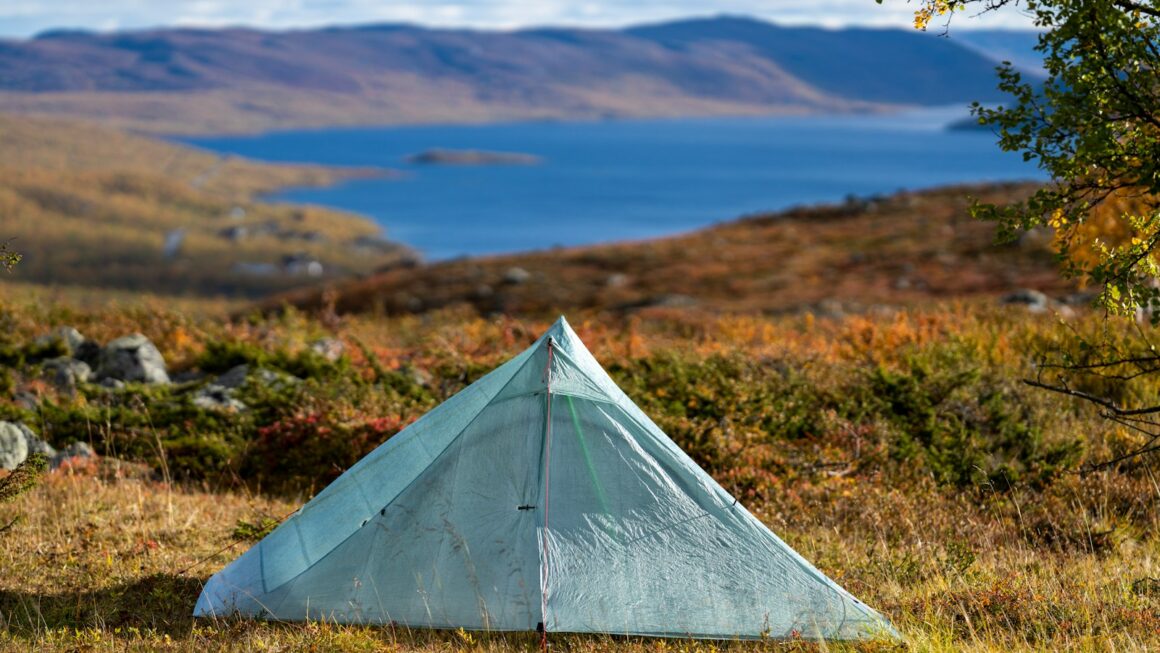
<point x="132" y="358"/>
<point x="65" y="373"/>
<point x="13" y="446"/>
<point x="17" y="442"/>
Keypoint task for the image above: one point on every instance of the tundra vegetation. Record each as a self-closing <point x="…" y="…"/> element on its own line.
<point x="900" y="452"/>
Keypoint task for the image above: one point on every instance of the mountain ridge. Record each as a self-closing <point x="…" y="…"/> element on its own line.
<point x="243" y="79"/>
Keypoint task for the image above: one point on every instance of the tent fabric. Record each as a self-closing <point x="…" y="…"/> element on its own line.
<point x="540" y="494"/>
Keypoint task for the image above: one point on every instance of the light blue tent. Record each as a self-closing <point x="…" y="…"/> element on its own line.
<point x="538" y="497"/>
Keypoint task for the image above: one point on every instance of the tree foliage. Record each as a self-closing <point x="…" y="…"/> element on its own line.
<point x="8" y="258"/>
<point x="1094" y="126"/>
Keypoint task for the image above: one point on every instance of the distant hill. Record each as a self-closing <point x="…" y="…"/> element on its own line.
<point x="94" y="210"/>
<point x="200" y="80"/>
<point x="860" y="255"/>
<point x="1016" y="46"/>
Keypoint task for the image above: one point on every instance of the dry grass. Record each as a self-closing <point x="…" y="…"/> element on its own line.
<point x="107" y="563"/>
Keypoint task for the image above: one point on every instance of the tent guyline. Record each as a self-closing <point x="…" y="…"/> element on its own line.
<point x="614" y="528"/>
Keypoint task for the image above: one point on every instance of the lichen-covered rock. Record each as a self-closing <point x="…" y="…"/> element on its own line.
<point x="132" y="358"/>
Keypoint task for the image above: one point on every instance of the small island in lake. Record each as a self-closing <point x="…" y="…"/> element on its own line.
<point x="439" y="156"/>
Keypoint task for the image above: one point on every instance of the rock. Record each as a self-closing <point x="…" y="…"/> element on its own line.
<point x="132" y="358"/>
<point x="1035" y="301"/>
<point x="65" y="373"/>
<point x="173" y="242"/>
<point x="302" y="264"/>
<point x="238" y="376"/>
<point x="516" y="276"/>
<point x="188" y="376"/>
<point x="235" y="234"/>
<point x="216" y="397"/>
<point x="17" y="442"/>
<point x="273" y="379"/>
<point x="89" y="353"/>
<point x="112" y="384"/>
<point x="331" y="349"/>
<point x="72" y="454"/>
<point x="13" y="446"/>
<point x="235" y="377"/>
<point x="70" y="337"/>
<point x="420" y="376"/>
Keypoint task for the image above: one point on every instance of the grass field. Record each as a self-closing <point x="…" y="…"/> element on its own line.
<point x="898" y="452"/>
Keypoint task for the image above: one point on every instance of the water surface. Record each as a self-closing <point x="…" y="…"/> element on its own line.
<point x="629" y="179"/>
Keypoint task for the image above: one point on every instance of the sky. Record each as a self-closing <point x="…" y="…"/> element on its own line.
<point x="22" y="18"/>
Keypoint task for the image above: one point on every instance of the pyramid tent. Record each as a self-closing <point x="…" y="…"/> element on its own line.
<point x="538" y="497"/>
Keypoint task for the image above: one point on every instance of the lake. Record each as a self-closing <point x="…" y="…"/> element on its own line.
<point x="625" y="179"/>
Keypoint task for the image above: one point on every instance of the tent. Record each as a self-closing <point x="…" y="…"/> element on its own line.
<point x="538" y="498"/>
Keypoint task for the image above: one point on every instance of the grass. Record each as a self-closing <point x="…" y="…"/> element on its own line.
<point x="899" y="453"/>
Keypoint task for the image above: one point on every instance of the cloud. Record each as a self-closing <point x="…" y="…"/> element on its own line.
<point x="26" y="17"/>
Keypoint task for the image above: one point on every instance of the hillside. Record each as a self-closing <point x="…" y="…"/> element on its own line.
<point x="903" y="249"/>
<point x="97" y="209"/>
<point x="196" y="80"/>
